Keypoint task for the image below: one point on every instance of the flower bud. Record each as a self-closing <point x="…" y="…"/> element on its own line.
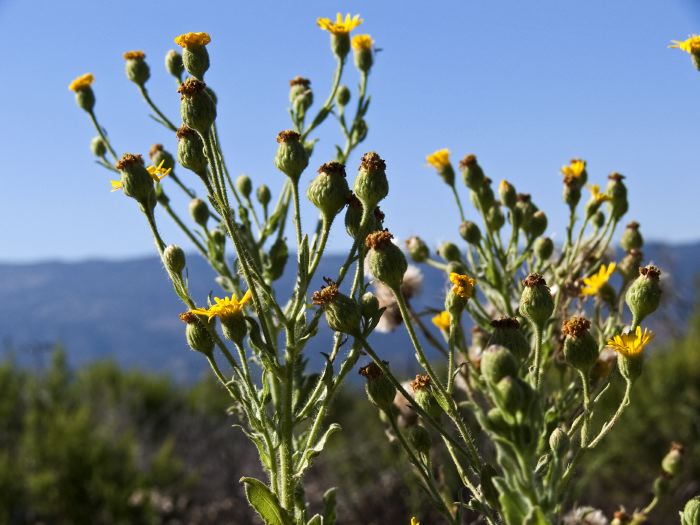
<point x="198" y="337"/>
<point x="342" y="312"/>
<point x="496" y="421"/>
<point x="672" y="462"/>
<point x="244" y="185"/>
<point x="417" y="249"/>
<point x="472" y="174"/>
<point x="199" y="211"/>
<point x="369" y="305"/>
<point x="360" y="132"/>
<point x="276" y="260"/>
<point x="485" y="195"/>
<point x="302" y="102"/>
<point x="423" y="394"/>
<point x="631" y="238"/>
<point x="507" y="333"/>
<point x="470" y="232"/>
<point x="190" y="151"/>
<point x="385" y="260"/>
<point x="362" y="49"/>
<point x="297" y="86"/>
<point x="572" y="194"/>
<point x="136" y="181"/>
<point x="629" y="265"/>
<point x="195" y="56"/>
<point x="197" y="108"/>
<point x="536" y="303"/>
<point x="98" y="147"/>
<point x="510" y="395"/>
<point x="291" y="158"/>
<point x="598" y="220"/>
<point x="580" y="348"/>
<point x="173" y="64"/>
<point x="525" y="209"/>
<point x="495" y="218"/>
<point x="353" y="217"/>
<point x="84" y="96"/>
<point x="419" y="437"/>
<point x="342" y="97"/>
<point x="617" y="191"/>
<point x="644" y="294"/>
<point x="136" y="68"/>
<point x="498" y="362"/>
<point x="543" y="248"/>
<point x="691" y="512"/>
<point x="157" y="155"/>
<point x="329" y="190"/>
<point x="558" y="442"/>
<point x="340" y="45"/>
<point x="449" y="252"/>
<point x="380" y="390"/>
<point x="537" y="224"/>
<point x="174" y="259"/>
<point x="263" y="195"/>
<point x="507" y="194"/>
<point x="371" y="184"/>
<point x="463" y="289"/>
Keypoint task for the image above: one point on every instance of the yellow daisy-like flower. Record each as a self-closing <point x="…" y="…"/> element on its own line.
<point x="632" y="344"/>
<point x="442" y="320"/>
<point x="691" y="45"/>
<point x="574" y="170"/>
<point x="595" y="282"/>
<point x="414" y="521"/>
<point x="596" y="195"/>
<point x="158" y="173"/>
<point x="224" y="308"/>
<point x="439" y="159"/>
<point x="362" y="42"/>
<point x="340" y="26"/>
<point x="192" y="39"/>
<point x="463" y="285"/>
<point x="81" y="82"/>
<point x="134" y="55"/>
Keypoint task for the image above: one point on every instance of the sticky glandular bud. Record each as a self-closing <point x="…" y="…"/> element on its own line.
<point x="450" y="252"/>
<point x="580" y="348"/>
<point x="543" y="248"/>
<point x="329" y="190"/>
<point x="244" y="185"/>
<point x="263" y="195"/>
<point x="472" y="174"/>
<point x="417" y="249"/>
<point x="342" y="312"/>
<point x="190" y="151"/>
<point x="98" y="147"/>
<point x="631" y="238"/>
<point x="199" y="211"/>
<point x="173" y="64"/>
<point x="385" y="260"/>
<point x="536" y="303"/>
<point x="197" y="107"/>
<point x="371" y="184"/>
<point x="291" y="157"/>
<point x="380" y="390"/>
<point x="507" y="333"/>
<point x="470" y="232"/>
<point x="498" y="362"/>
<point x="644" y="294"/>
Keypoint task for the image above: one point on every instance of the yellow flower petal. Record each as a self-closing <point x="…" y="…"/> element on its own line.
<point x="340" y="26"/>
<point x="595" y="282"/>
<point x="691" y="45"/>
<point x="116" y="185"/>
<point x="439" y="159"/>
<point x="82" y="82"/>
<point x="192" y="39"/>
<point x="463" y="285"/>
<point x="632" y="344"/>
<point x="442" y="320"/>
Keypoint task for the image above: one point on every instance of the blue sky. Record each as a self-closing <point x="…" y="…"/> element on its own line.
<point x="524" y="85"/>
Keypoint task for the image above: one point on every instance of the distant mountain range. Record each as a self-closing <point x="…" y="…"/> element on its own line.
<point x="126" y="310"/>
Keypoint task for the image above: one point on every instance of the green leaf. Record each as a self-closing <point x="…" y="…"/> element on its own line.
<point x="315" y="450"/>
<point x="316" y="519"/>
<point x="536" y="517"/>
<point x="265" y="502"/>
<point x="513" y="505"/>
<point x="329" y="502"/>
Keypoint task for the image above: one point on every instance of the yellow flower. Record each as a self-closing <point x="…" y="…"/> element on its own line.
<point x="158" y="173"/>
<point x="134" y="55"/>
<point x="414" y="521"/>
<point x="596" y="195"/>
<point x="340" y="26"/>
<point x="442" y="320"/>
<point x="439" y="159"/>
<point x="116" y="185"/>
<point x="463" y="285"/>
<point x="362" y="42"/>
<point x="193" y="39"/>
<point x="691" y="45"/>
<point x="574" y="170"/>
<point x="595" y="282"/>
<point x="224" y="308"/>
<point x="81" y="82"/>
<point x="631" y="345"/>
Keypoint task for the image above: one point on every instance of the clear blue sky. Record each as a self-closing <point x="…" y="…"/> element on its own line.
<point x="524" y="85"/>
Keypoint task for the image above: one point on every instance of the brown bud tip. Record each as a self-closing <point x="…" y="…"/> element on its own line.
<point x="677" y="446"/>
<point x="354" y="202"/>
<point x="378" y="240"/>
<point x="128" y="159"/>
<point x="326" y="294"/>
<point x="372" y="371"/>
<point x="575" y="326"/>
<point x="332" y="168"/>
<point x="155" y="149"/>
<point x="467" y="161"/>
<point x="420" y="382"/>
<point x="183" y="131"/>
<point x="634" y="225"/>
<point x="621" y="515"/>
<point x="190" y="87"/>
<point x="650" y="272"/>
<point x="379" y="214"/>
<point x="523" y="197"/>
<point x="134" y="55"/>
<point x="188" y="317"/>
<point x="506" y="322"/>
<point x="616" y="176"/>
<point x="534" y="279"/>
<point x="372" y="162"/>
<point x="288" y="135"/>
<point x="300" y="81"/>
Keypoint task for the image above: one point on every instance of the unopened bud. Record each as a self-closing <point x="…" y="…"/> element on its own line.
<point x="159" y="155"/>
<point x="244" y="185"/>
<point x="380" y="390"/>
<point x="369" y="305"/>
<point x="362" y="49"/>
<point x="297" y="86"/>
<point x="197" y="107"/>
<point x="291" y="158"/>
<point x="449" y="252"/>
<point x="263" y="195"/>
<point x="580" y="348"/>
<point x="190" y="151"/>
<point x="673" y="460"/>
<point x="419" y="437"/>
<point x="507" y="333"/>
<point x="536" y="303"/>
<point x="510" y="395"/>
<point x="329" y="190"/>
<point x="598" y="220"/>
<point x="342" y="97"/>
<point x="558" y="442"/>
<point x="498" y="362"/>
<point x="572" y="194"/>
<point x="470" y="232"/>
<point x="507" y="193"/>
<point x="173" y="64"/>
<point x="691" y="512"/>
<point x="371" y="184"/>
<point x="199" y="211"/>
<point x="538" y="224"/>
<point x="98" y="147"/>
<point x="417" y="249"/>
<point x="644" y="294"/>
<point x="385" y="260"/>
<point x="136" y="68"/>
<point x="174" y="259"/>
<point x="543" y="248"/>
<point x="495" y="218"/>
<point x="631" y="238"/>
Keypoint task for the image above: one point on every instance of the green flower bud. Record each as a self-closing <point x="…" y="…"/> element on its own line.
<point x="673" y="461"/>
<point x="198" y="337"/>
<point x="136" y="68"/>
<point x="385" y="260"/>
<point x="480" y="338"/>
<point x="190" y="151"/>
<point x="456" y="267"/>
<point x="536" y="303"/>
<point x="510" y="395"/>
<point x="470" y="232"/>
<point x="498" y="362"/>
<point x="195" y="56"/>
<point x="84" y="96"/>
<point x="472" y="174"/>
<point x="380" y="390"/>
<point x="423" y="394"/>
<point x="158" y="155"/>
<point x="526" y="210"/>
<point x="449" y="252"/>
<point x="174" y="259"/>
<point x="329" y="190"/>
<point x="617" y="191"/>
<point x="98" y="147"/>
<point x="360" y="132"/>
<point x="371" y="184"/>
<point x="199" y="211"/>
<point x="342" y="97"/>
<point x="417" y="249"/>
<point x="197" y="108"/>
<point x="244" y="185"/>
<point x="362" y="48"/>
<point x="507" y="194"/>
<point x="644" y="294"/>
<point x="136" y="181"/>
<point x="486" y="197"/>
<point x="631" y="238"/>
<point x="537" y="224"/>
<point x="507" y="333"/>
<point x="496" y="421"/>
<point x="691" y="512"/>
<point x="291" y="158"/>
<point x="369" y="305"/>
<point x="558" y="442"/>
<point x="572" y="194"/>
<point x="630" y="367"/>
<point x="342" y="312"/>
<point x="495" y="218"/>
<point x="353" y="217"/>
<point x="173" y="64"/>
<point x="419" y="437"/>
<point x="544" y="247"/>
<point x="297" y="86"/>
<point x="302" y="102"/>
<point x="580" y="348"/>
<point x="263" y="195"/>
<point x="340" y="44"/>
<point x="276" y="260"/>
<point x="629" y="265"/>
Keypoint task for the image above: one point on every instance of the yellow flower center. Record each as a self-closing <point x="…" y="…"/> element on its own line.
<point x="463" y="285"/>
<point x="596" y="195"/>
<point x="192" y="39"/>
<point x="442" y="320"/>
<point x="340" y="26"/>
<point x="157" y="173"/>
<point x="134" y="55"/>
<point x="691" y="45"/>
<point x="594" y="283"/>
<point x="362" y="42"/>
<point x="632" y="344"/>
<point x="82" y="82"/>
<point x="439" y="159"/>
<point x="574" y="169"/>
